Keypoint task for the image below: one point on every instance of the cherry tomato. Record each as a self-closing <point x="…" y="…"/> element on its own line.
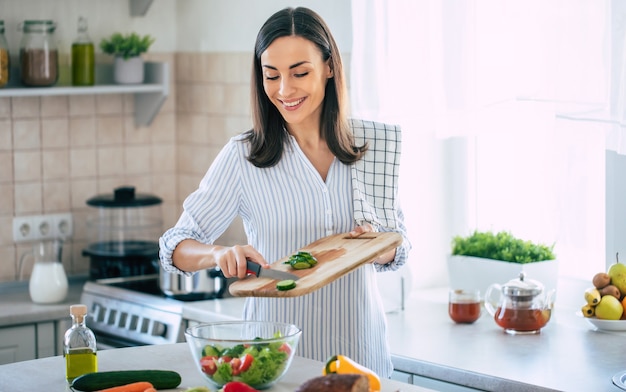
<point x="246" y="361"/>
<point x="208" y="365"/>
<point x="285" y="348"/>
<point x="236" y="365"/>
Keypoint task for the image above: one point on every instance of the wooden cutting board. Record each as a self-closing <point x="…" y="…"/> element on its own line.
<point x="336" y="255"/>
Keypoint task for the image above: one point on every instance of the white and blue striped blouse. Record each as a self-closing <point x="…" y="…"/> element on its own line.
<point x="284" y="208"/>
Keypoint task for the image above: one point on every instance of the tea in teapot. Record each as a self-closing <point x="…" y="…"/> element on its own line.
<point x="519" y="306"/>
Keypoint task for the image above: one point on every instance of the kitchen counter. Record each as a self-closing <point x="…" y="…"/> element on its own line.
<point x="17" y="307"/>
<point x="50" y="372"/>
<point x="568" y="355"/>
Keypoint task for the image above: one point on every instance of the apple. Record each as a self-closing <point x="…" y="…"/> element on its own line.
<point x="617" y="272"/>
<point x="609" y="308"/>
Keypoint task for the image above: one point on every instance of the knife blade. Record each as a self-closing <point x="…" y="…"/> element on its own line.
<point x="256" y="270"/>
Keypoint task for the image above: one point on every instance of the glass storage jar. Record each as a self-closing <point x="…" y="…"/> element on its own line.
<point x="39" y="57"/>
<point x="5" y="64"/>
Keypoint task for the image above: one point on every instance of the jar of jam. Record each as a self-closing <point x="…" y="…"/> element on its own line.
<point x="39" y="57"/>
<point x="520" y="306"/>
<point x="5" y="64"/>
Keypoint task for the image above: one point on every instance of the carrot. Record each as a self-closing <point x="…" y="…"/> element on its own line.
<point x="141" y="386"/>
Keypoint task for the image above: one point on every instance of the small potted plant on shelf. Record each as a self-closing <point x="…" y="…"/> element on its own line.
<point x="483" y="258"/>
<point x="127" y="49"/>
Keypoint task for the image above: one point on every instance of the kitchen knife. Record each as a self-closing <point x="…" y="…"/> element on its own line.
<point x="256" y="270"/>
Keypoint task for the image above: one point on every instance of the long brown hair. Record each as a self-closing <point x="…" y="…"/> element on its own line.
<point x="268" y="133"/>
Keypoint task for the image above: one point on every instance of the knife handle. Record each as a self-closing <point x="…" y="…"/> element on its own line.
<point x="252" y="268"/>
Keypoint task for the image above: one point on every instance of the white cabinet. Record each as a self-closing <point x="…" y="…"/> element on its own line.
<point x="430" y="383"/>
<point x="30" y="341"/>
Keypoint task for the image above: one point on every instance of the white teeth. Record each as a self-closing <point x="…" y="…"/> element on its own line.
<point x="292" y="104"/>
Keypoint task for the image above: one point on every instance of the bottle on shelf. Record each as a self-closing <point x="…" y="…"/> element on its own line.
<point x="83" y="58"/>
<point x="5" y="65"/>
<point x="79" y="345"/>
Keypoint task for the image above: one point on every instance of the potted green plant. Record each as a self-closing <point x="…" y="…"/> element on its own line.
<point x="483" y="258"/>
<point x="127" y="49"/>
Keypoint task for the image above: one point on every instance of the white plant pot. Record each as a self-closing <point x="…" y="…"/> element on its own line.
<point x="128" y="71"/>
<point x="466" y="272"/>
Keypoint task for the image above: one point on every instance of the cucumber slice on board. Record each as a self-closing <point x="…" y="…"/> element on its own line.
<point x="285" y="285"/>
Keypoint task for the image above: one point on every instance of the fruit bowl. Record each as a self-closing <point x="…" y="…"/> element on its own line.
<point x="257" y="353"/>
<point x="605" y="325"/>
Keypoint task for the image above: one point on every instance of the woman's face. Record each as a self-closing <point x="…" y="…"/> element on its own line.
<point x="294" y="79"/>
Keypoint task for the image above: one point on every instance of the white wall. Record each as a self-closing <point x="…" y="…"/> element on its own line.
<point x="232" y="26"/>
<point x="177" y="25"/>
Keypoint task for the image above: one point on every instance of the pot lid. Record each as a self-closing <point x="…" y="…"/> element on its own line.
<point x="522" y="287"/>
<point x="124" y="196"/>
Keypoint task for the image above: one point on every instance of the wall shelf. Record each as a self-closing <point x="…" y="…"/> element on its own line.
<point x="149" y="96"/>
<point x="139" y="7"/>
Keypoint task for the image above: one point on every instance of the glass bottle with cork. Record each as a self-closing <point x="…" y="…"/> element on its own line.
<point x="79" y="345"/>
<point x="83" y="62"/>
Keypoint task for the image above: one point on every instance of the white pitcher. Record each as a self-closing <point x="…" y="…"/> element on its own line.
<point x="48" y="281"/>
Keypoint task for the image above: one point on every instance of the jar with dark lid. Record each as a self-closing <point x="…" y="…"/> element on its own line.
<point x="5" y="64"/>
<point x="123" y="229"/>
<point x="39" y="57"/>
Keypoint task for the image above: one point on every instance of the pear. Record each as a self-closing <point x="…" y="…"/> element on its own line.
<point x="617" y="272"/>
<point x="609" y="308"/>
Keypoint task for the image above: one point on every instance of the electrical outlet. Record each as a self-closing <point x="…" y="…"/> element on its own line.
<point x="23" y="229"/>
<point x="62" y="226"/>
<point x="42" y="227"/>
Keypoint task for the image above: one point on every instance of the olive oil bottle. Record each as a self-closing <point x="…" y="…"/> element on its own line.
<point x="83" y="57"/>
<point x="79" y="346"/>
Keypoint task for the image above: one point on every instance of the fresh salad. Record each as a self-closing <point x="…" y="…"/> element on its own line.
<point x="255" y="364"/>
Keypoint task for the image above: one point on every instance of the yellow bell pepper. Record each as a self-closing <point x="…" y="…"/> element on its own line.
<point x="341" y="364"/>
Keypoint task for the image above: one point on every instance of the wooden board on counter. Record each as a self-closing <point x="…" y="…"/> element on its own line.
<point x="336" y="255"/>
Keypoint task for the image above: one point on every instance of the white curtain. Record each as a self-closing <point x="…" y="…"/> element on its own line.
<point x="507" y="107"/>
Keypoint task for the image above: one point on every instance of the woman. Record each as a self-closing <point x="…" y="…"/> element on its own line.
<point x="303" y="172"/>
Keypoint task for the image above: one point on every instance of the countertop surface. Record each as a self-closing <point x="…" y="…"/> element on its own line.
<point x="568" y="354"/>
<point x="51" y="371"/>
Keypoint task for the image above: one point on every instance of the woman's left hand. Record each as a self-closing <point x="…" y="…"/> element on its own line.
<point x="368" y="228"/>
<point x="364" y="228"/>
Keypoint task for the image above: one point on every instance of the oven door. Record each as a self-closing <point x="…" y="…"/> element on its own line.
<point x="129" y="322"/>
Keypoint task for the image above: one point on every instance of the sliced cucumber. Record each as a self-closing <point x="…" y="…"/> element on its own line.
<point x="286" y="284"/>
<point x="299" y="265"/>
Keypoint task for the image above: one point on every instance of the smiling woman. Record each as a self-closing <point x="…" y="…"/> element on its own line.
<point x="304" y="172"/>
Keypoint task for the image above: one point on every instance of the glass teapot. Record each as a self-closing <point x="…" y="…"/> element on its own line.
<point x="520" y="306"/>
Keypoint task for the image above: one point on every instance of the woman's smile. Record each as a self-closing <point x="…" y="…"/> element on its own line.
<point x="292" y="104"/>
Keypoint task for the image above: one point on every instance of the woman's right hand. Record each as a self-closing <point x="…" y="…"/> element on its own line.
<point x="191" y="255"/>
<point x="232" y="260"/>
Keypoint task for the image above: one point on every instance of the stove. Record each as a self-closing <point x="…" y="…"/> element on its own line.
<point x="126" y="312"/>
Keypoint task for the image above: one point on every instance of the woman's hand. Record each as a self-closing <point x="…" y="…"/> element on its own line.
<point x="368" y="228"/>
<point x="232" y="260"/>
<point x="191" y="255"/>
<point x="364" y="228"/>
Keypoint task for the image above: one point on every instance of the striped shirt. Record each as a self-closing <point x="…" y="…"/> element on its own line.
<point x="284" y="208"/>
